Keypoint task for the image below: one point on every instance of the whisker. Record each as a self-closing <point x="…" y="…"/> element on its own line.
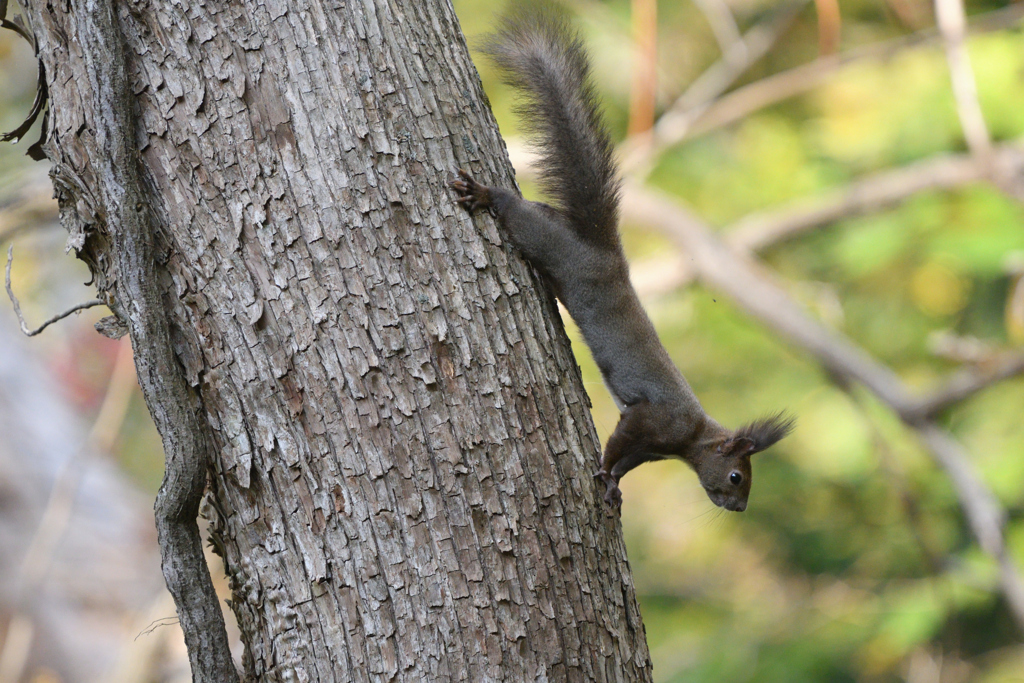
<point x="713" y="521"/>
<point x="702" y="514"/>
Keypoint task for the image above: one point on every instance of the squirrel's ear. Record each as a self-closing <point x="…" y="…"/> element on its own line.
<point x="738" y="445"/>
<point x="766" y="431"/>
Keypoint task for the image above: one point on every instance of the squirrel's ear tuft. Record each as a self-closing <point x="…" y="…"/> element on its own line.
<point x="766" y="431"/>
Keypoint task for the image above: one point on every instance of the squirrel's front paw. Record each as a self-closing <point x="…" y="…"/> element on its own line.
<point x="472" y="194"/>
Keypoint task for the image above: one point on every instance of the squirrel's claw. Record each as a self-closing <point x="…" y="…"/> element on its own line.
<point x="472" y="194"/>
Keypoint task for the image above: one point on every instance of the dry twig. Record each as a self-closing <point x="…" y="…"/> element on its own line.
<point x="17" y="306"/>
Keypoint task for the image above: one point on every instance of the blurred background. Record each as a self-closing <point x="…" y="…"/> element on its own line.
<point x="870" y="160"/>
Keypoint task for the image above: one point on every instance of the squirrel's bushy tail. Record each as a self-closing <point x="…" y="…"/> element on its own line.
<point x="543" y="57"/>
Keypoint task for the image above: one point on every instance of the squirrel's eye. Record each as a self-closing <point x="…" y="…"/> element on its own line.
<point x="736" y="478"/>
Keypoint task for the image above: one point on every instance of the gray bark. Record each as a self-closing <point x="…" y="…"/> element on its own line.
<point x="401" y="445"/>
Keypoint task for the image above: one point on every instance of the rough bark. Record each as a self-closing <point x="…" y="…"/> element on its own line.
<point x="402" y="447"/>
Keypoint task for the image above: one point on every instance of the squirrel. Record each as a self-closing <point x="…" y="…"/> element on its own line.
<point x="575" y="245"/>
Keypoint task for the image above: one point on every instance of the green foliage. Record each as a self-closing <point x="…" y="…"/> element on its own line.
<point x="853" y="561"/>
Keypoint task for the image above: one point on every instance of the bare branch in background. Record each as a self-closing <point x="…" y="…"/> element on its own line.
<point x="952" y="22"/>
<point x="738" y="276"/>
<point x="984" y="513"/>
<point x="968" y="382"/>
<point x="719" y="76"/>
<point x="748" y="99"/>
<point x="722" y="23"/>
<point x="17" y="307"/>
<point x="876" y="192"/>
<point x="869" y="194"/>
<point x="739" y="57"/>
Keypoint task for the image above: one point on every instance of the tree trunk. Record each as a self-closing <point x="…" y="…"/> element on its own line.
<point x="402" y="449"/>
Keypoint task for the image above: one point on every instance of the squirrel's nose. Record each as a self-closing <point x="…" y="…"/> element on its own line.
<point x="739" y="506"/>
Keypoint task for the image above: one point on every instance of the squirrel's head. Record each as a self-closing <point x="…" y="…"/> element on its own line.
<point x="724" y="468"/>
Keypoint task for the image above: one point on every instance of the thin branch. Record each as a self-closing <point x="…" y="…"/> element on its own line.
<point x="866" y="195"/>
<point x="723" y="25"/>
<point x="748" y="99"/>
<point x="952" y="22"/>
<point x="968" y="382"/>
<point x="984" y="514"/>
<point x="744" y="281"/>
<point x="17" y="307"/>
<point x="154" y="625"/>
<point x="710" y="85"/>
<point x="719" y="76"/>
<point x="876" y="192"/>
<point x="758" y="231"/>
